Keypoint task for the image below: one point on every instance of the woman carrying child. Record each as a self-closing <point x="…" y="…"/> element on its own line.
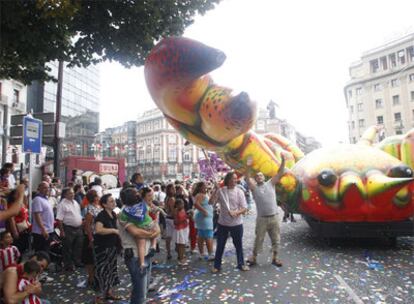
<point x="139" y="215"/>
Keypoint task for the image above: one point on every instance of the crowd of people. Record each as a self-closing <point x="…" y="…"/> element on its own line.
<point x="94" y="228"/>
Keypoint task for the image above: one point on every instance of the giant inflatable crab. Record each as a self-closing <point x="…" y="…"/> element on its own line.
<point x="345" y="184"/>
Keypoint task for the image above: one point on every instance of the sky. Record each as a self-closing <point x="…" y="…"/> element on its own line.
<point x="295" y="52"/>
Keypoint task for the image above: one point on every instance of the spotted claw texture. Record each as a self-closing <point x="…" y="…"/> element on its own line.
<point x="208" y="115"/>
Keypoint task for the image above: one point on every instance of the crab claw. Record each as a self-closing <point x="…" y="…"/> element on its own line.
<point x="407" y="149"/>
<point x="378" y="183"/>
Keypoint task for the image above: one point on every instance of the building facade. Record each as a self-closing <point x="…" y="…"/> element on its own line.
<point x="118" y="142"/>
<point x="13" y="99"/>
<point x="162" y="153"/>
<point x="80" y="105"/>
<point x="381" y="89"/>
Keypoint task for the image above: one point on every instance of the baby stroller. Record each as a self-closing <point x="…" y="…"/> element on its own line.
<point x="56" y="250"/>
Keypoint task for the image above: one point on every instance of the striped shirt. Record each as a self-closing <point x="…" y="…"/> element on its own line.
<point x="31" y="299"/>
<point x="8" y="256"/>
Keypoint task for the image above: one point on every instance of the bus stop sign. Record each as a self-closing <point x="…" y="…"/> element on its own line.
<point x="32" y="135"/>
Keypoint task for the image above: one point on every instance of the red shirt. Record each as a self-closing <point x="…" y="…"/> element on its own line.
<point x="180" y="220"/>
<point x="30" y="299"/>
<point x="22" y="216"/>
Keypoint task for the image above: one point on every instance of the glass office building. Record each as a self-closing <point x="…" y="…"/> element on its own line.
<point x="80" y="105"/>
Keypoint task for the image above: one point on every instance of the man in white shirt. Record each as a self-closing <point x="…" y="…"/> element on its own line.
<point x="70" y="225"/>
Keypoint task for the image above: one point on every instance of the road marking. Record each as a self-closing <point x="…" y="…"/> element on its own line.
<point x="350" y="291"/>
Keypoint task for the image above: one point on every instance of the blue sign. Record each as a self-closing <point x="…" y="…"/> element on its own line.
<point x="32" y="134"/>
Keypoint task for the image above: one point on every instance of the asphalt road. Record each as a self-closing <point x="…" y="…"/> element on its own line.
<point x="346" y="271"/>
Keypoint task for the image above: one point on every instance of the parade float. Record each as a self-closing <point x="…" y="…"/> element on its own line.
<point x="352" y="190"/>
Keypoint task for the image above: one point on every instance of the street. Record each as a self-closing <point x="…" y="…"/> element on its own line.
<point x="346" y="271"/>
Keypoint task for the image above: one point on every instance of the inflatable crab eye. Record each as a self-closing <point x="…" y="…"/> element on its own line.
<point x="327" y="178"/>
<point x="400" y="171"/>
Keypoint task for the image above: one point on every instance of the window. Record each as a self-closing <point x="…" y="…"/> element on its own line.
<point x="395" y="83"/>
<point x="412" y="114"/>
<point x="361" y="123"/>
<point x="349" y="93"/>
<point x="353" y="140"/>
<point x="374" y="65"/>
<point x="398" y="132"/>
<point x="172" y="153"/>
<point x="358" y="91"/>
<point x="353" y="124"/>
<point x="393" y="60"/>
<point x="360" y="107"/>
<point x="172" y="139"/>
<point x="401" y="56"/>
<point x="141" y="154"/>
<point x="171" y="169"/>
<point x="149" y="151"/>
<point x="379" y="104"/>
<point x="157" y="153"/>
<point x="411" y="77"/>
<point x="157" y="124"/>
<point x="412" y="95"/>
<point x="351" y="109"/>
<point x="377" y="87"/>
<point x="187" y="169"/>
<point x="16" y="95"/>
<point x="187" y="156"/>
<point x="397" y="116"/>
<point x="384" y="64"/>
<point x="380" y="120"/>
<point x="395" y="100"/>
<point x="410" y="53"/>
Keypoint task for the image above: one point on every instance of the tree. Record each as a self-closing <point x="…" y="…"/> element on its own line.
<point x="81" y="32"/>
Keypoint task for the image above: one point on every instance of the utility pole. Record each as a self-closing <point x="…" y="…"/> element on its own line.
<point x="56" y="146"/>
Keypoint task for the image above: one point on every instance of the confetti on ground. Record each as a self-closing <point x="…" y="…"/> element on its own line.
<point x="376" y="272"/>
